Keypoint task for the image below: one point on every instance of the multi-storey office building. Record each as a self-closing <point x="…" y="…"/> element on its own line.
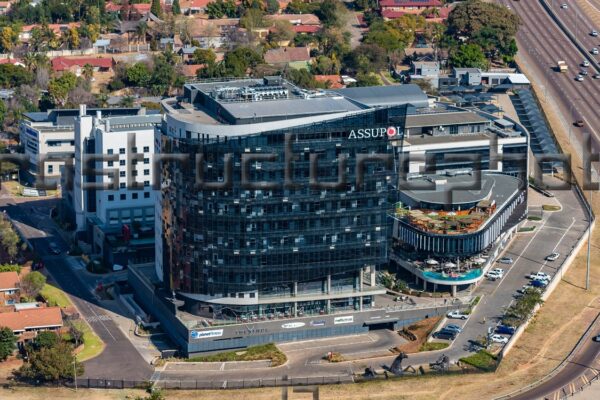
<point x="51" y="135"/>
<point x="108" y="194"/>
<point x="255" y="219"/>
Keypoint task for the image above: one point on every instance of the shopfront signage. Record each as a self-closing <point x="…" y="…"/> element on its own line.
<point x="343" y="320"/>
<point x="373" y="133"/>
<point x="206" y="334"/>
<point x="320" y="322"/>
<point x="292" y="325"/>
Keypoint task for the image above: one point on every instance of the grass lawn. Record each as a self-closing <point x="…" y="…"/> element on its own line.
<point x="92" y="343"/>
<point x="527" y="229"/>
<point x="263" y="352"/>
<point x="431" y="346"/>
<point x="548" y="207"/>
<point x="481" y="360"/>
<point x="16" y="189"/>
<point x="54" y="296"/>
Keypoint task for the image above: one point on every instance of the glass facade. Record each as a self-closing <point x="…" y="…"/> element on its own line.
<point x="245" y="250"/>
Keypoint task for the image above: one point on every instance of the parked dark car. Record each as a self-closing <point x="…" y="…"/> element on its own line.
<point x="539" y="283"/>
<point x="445" y="335"/>
<point x="505" y="329"/>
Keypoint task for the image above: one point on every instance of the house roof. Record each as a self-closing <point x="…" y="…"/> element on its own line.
<point x="335" y="81"/>
<point x="62" y="63"/>
<point x="297" y="19"/>
<point x="210" y="27"/>
<point x="391" y="14"/>
<point x="56" y="28"/>
<point x="287" y="54"/>
<point x="196" y="4"/>
<point x="306" y="28"/>
<point x="9" y="280"/>
<point x="191" y="70"/>
<point x="410" y="3"/>
<point x="33" y="318"/>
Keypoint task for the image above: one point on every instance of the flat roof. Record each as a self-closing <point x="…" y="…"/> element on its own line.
<point x="453" y="189"/>
<point x="379" y="96"/>
<point x="444" y="119"/>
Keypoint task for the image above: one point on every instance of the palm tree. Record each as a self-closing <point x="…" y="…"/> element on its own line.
<point x="88" y="72"/>
<point x="102" y="99"/>
<point x="141" y="30"/>
<point x="30" y="61"/>
<point x="41" y="60"/>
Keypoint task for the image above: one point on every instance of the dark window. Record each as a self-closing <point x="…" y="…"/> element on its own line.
<point x="111" y="197"/>
<point x="109" y="151"/>
<point x="121" y="151"/>
<point x="110" y="163"/>
<point x="134" y="149"/>
<point x="146" y="161"/>
<point x="122" y="185"/>
<point x="146" y="172"/>
<point x="121" y="162"/>
<point x="146" y="195"/>
<point x="122" y="174"/>
<point x="146" y="183"/>
<point x="146" y="149"/>
<point x="134" y="196"/>
<point x="123" y="196"/>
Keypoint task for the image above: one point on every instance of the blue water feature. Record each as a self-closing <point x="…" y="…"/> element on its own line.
<point x="473" y="274"/>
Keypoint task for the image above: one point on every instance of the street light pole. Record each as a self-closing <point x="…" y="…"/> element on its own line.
<point x="75" y="374"/>
<point x="587" y="271"/>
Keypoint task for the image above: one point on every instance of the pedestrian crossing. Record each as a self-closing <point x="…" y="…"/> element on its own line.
<point x="98" y="318"/>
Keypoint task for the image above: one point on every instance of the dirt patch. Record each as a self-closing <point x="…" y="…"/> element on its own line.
<point x="421" y="331"/>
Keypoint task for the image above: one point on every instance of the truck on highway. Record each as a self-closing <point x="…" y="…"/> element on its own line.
<point x="562" y="66"/>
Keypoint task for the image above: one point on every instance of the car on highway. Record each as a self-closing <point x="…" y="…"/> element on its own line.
<point x="505" y="329"/>
<point x="583" y="72"/>
<point x="539" y="275"/>
<point x="595" y="51"/>
<point x="553" y="257"/>
<point x="564" y="6"/>
<point x="596" y="338"/>
<point x="579" y="122"/>
<point x="505" y="260"/>
<point x="453" y="327"/>
<point x="596" y="76"/>
<point x="445" y="335"/>
<point x="585" y="63"/>
<point x="525" y="288"/>
<point x="53" y="248"/>
<point x="579" y="78"/>
<point x="594" y="33"/>
<point x="456" y="314"/>
<point x="499" y="339"/>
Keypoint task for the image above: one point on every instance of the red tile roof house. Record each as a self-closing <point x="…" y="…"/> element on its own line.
<point x="32" y="319"/>
<point x="296" y="57"/>
<point x="390" y="13"/>
<point x="4" y="7"/>
<point x="335" y="81"/>
<point x="75" y="65"/>
<point x="408" y="6"/>
<point x="9" y="288"/>
<point x="189" y="7"/>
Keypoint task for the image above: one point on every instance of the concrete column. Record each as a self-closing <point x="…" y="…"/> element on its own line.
<point x="435" y="287"/>
<point x="295" y="289"/>
<point x="372" y="274"/>
<point x="453" y="290"/>
<point x="328" y="306"/>
<point x="416" y="280"/>
<point x="328" y="283"/>
<point x="424" y="284"/>
<point x="360" y="302"/>
<point x="360" y="279"/>
<point x="295" y="309"/>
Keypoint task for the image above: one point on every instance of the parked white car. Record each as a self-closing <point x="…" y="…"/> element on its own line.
<point x="456" y="314"/>
<point x="497" y="273"/>
<point x="540" y="276"/>
<point x="553" y="257"/>
<point x="499" y="339"/>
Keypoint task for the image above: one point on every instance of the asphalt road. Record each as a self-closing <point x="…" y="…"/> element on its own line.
<point x="120" y="359"/>
<point x="542" y="44"/>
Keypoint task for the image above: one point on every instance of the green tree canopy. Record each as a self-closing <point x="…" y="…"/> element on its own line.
<point x="7" y="342"/>
<point x="468" y="56"/>
<point x="176" y="7"/>
<point x="50" y="364"/>
<point x="45" y="339"/>
<point x="366" y="79"/>
<point x="204" y="56"/>
<point x="33" y="283"/>
<point x="138" y="75"/>
<point x="14" y="75"/>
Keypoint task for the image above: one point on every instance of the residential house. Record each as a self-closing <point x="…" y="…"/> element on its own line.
<point x="409" y="6"/>
<point x="427" y="70"/>
<point x="9" y="288"/>
<point x="334" y="81"/>
<point x="294" y="57"/>
<point x="467" y="76"/>
<point x="301" y="23"/>
<point x="32" y="320"/>
<point x="190" y="7"/>
<point x="75" y="65"/>
<point x="212" y="33"/>
<point x="4" y="7"/>
<point x="190" y="71"/>
<point x="187" y="53"/>
<point x="58" y="29"/>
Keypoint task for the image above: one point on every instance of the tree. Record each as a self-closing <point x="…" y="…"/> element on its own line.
<point x="127" y="102"/>
<point x="331" y="13"/>
<point x="363" y="79"/>
<point x="155" y="8"/>
<point x="253" y="18"/>
<point x="7" y="343"/>
<point x="140" y="31"/>
<point x="138" y="75"/>
<point x="272" y="6"/>
<point x="367" y="58"/>
<point x="14" y="75"/>
<point x="88" y="72"/>
<point x="390" y="36"/>
<point x="59" y="88"/>
<point x="33" y="283"/>
<point x="8" y="39"/>
<point x="50" y="364"/>
<point x="281" y="31"/>
<point x="468" y="56"/>
<point x="76" y="333"/>
<point x="2" y="113"/>
<point x="70" y="37"/>
<point x="323" y="65"/>
<point x="176" y="7"/>
<point x="45" y="339"/>
<point x="204" y="56"/>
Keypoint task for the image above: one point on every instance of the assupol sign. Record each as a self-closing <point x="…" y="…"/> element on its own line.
<point x="373" y="133"/>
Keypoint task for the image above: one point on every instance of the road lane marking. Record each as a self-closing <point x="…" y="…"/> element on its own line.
<point x="557" y="244"/>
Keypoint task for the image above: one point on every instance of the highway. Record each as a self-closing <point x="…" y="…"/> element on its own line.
<point x="541" y="45"/>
